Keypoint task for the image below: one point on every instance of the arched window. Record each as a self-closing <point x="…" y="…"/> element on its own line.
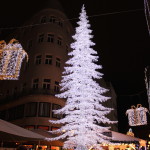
<point x="43" y="19"/>
<point x="52" y="19"/>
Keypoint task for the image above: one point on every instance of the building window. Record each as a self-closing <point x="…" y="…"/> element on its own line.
<point x="48" y="59"/>
<point x="59" y="41"/>
<point x="31" y="109"/>
<point x="56" y="87"/>
<point x="58" y="62"/>
<point x="38" y="59"/>
<point x="44" y="109"/>
<point x="35" y="84"/>
<point x="43" y="127"/>
<point x="50" y="38"/>
<point x="30" y="44"/>
<point x="11" y="113"/>
<point x="30" y="127"/>
<point x="19" y="112"/>
<point x="54" y="128"/>
<point x="56" y="107"/>
<point x="3" y="114"/>
<point x="43" y="19"/>
<point x="41" y="38"/>
<point x="46" y="83"/>
<point x="52" y="19"/>
<point x="60" y="23"/>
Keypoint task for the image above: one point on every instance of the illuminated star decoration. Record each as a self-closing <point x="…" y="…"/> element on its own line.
<point x="11" y="57"/>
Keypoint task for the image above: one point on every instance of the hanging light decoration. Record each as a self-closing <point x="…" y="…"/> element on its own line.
<point x="137" y="115"/>
<point x="132" y="116"/>
<point x="147" y="83"/>
<point x="147" y="13"/>
<point x="11" y="57"/>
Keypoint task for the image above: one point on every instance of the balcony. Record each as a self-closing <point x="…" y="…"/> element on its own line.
<point x="25" y="92"/>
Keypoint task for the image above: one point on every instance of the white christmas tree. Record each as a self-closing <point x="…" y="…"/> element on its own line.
<point x="83" y="110"/>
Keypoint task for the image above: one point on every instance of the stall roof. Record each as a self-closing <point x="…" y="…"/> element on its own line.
<point x="116" y="136"/>
<point x="12" y="132"/>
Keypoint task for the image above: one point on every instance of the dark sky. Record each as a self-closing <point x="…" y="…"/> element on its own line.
<point x="121" y="37"/>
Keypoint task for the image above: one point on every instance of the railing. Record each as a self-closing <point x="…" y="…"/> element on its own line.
<point x="26" y="92"/>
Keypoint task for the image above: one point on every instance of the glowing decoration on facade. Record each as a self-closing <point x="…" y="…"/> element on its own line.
<point x="147" y="83"/>
<point x="84" y="111"/>
<point x="11" y="57"/>
<point x="147" y="13"/>
<point x="137" y="115"/>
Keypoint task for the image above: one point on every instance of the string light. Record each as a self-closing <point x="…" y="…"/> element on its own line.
<point x="11" y="57"/>
<point x="63" y="20"/>
<point x="137" y="115"/>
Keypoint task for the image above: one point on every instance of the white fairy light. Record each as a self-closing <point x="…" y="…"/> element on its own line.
<point x="84" y="113"/>
<point x="147" y="83"/>
<point x="147" y="13"/>
<point x="11" y="57"/>
<point x="137" y="115"/>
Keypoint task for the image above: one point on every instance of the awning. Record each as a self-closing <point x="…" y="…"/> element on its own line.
<point x="11" y="132"/>
<point x="116" y="136"/>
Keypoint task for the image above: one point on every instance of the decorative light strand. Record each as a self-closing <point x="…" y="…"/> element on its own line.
<point x="63" y="20"/>
<point x="11" y="57"/>
<point x="137" y="115"/>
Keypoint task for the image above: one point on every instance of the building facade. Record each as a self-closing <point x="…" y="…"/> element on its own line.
<point x="29" y="101"/>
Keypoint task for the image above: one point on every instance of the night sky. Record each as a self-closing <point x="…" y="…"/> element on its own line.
<point x="121" y="37"/>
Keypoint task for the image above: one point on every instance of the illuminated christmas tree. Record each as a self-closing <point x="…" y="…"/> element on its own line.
<point x="83" y="110"/>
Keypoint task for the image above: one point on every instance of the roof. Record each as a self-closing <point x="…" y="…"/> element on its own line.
<point x="11" y="132"/>
<point x="116" y="136"/>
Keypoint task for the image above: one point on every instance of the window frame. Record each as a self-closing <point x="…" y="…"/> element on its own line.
<point x="50" y="38"/>
<point x="48" y="59"/>
<point x="35" y="84"/>
<point x="41" y="110"/>
<point x="41" y="38"/>
<point x="58" y="62"/>
<point x="45" y="84"/>
<point x="59" y="41"/>
<point x="38" y="59"/>
<point x="28" y="110"/>
<point x="43" y="19"/>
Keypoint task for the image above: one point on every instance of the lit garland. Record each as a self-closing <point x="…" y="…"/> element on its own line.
<point x="147" y="13"/>
<point x="137" y="115"/>
<point x="147" y="83"/>
<point x="11" y="57"/>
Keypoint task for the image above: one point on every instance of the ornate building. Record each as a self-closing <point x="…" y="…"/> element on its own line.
<point x="29" y="101"/>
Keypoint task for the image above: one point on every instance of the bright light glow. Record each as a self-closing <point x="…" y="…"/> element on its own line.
<point x="11" y="57"/>
<point x="147" y="83"/>
<point x="84" y="112"/>
<point x="137" y="115"/>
